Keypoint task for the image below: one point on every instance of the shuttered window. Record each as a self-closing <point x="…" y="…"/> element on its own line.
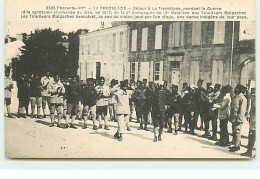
<point x="134" y="40"/>
<point x="158" y="37"/>
<point x="176" y="34"/>
<point x="114" y="42"/>
<point x="219" y="32"/>
<point x="121" y="42"/>
<point x="144" y="38"/>
<point x="196" y="33"/>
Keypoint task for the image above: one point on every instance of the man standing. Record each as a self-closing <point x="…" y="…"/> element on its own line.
<point x="89" y="98"/>
<point x="238" y="112"/>
<point x="23" y="85"/>
<point x="174" y="110"/>
<point x="201" y="93"/>
<point x="159" y="106"/>
<point x="112" y="100"/>
<point x="45" y="81"/>
<point x="123" y="109"/>
<point x="8" y="92"/>
<point x="35" y="95"/>
<point x="56" y="91"/>
<point x="102" y="103"/>
<point x="252" y="126"/>
<point x="73" y="97"/>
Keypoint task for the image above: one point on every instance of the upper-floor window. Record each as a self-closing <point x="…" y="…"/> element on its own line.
<point x="196" y="33"/>
<point x="98" y="46"/>
<point x="121" y="42"/>
<point x="158" y="37"/>
<point x="144" y="38"/>
<point x="176" y="34"/>
<point x="82" y="49"/>
<point x="134" y="40"/>
<point x="88" y="49"/>
<point x="219" y="32"/>
<point x="114" y="42"/>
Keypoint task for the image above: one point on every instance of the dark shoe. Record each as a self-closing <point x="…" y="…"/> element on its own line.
<point x="140" y="128"/>
<point x="128" y="128"/>
<point x="146" y="129"/>
<point x="106" y="127"/>
<point x="214" y="137"/>
<point x="155" y="139"/>
<point x="116" y="135"/>
<point x="227" y="144"/>
<point x="39" y="117"/>
<point x="169" y="131"/>
<point x="234" y="149"/>
<point x="10" y="116"/>
<point x="176" y="132"/>
<point x="159" y="138"/>
<point x="58" y="125"/>
<point x="72" y="126"/>
<point x="95" y="128"/>
<point x="84" y="127"/>
<point x="206" y="135"/>
<point x="192" y="132"/>
<point x="23" y="116"/>
<point x="219" y="143"/>
<point x="44" y="116"/>
<point x="246" y="154"/>
<point x="120" y="137"/>
<point x="100" y="126"/>
<point x="66" y="126"/>
<point x="52" y="124"/>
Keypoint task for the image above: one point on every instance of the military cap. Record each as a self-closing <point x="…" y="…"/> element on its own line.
<point x="192" y="86"/>
<point x="229" y="88"/>
<point x="241" y="88"/>
<point x="145" y="80"/>
<point x="208" y="85"/>
<point x="217" y="86"/>
<point x="184" y="85"/>
<point x="175" y="87"/>
<point x="116" y="82"/>
<point x="124" y="83"/>
<point x="200" y="81"/>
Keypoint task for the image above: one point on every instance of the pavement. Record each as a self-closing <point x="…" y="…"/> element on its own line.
<point x="33" y="138"/>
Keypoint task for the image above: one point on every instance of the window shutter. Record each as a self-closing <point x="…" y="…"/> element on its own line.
<point x="219" y="32"/>
<point x="158" y="37"/>
<point x="144" y="38"/>
<point x="176" y="34"/>
<point x="161" y="71"/>
<point x="144" y="72"/>
<point x="134" y="40"/>
<point x="182" y="34"/>
<point x="151" y="71"/>
<point x="170" y="35"/>
<point x="136" y="71"/>
<point x="88" y="68"/>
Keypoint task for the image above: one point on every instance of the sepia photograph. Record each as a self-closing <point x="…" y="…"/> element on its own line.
<point x="112" y="89"/>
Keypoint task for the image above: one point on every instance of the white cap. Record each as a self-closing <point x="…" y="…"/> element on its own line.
<point x="192" y="86"/>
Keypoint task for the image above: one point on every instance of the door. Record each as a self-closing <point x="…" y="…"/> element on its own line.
<point x="175" y="77"/>
<point x="98" y="70"/>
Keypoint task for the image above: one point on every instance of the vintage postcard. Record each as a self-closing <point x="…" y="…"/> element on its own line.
<point x="137" y="79"/>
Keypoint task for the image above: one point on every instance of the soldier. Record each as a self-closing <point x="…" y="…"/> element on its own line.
<point x="159" y="106"/>
<point x="102" y="103"/>
<point x="65" y="82"/>
<point x="35" y="95"/>
<point x="112" y="100"/>
<point x="214" y="111"/>
<point x="189" y="101"/>
<point x="182" y="106"/>
<point x="238" y="112"/>
<point x="23" y="85"/>
<point x="8" y="86"/>
<point x="132" y="105"/>
<point x="167" y="112"/>
<point x="223" y="114"/>
<point x="139" y="100"/>
<point x="73" y="97"/>
<point x="207" y="108"/>
<point x="252" y="126"/>
<point x="89" y="99"/>
<point x="56" y="91"/>
<point x="45" y="81"/>
<point x="123" y="109"/>
<point x="174" y="109"/>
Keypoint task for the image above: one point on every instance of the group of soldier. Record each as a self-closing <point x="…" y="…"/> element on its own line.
<point x="151" y="103"/>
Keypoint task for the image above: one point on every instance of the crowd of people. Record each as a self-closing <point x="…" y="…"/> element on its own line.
<point x="152" y="103"/>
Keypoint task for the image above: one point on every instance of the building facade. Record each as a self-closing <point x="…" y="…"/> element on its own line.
<point x="104" y="53"/>
<point x="183" y="52"/>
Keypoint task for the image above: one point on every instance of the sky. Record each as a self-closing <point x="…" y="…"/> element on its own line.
<point x="17" y="27"/>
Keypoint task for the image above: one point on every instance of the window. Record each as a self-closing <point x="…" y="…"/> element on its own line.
<point x="158" y="37"/>
<point x="134" y="40"/>
<point x="134" y="68"/>
<point x="82" y="49"/>
<point x="176" y="34"/>
<point x="121" y="42"/>
<point x="156" y="71"/>
<point x="196" y="33"/>
<point x="114" y="42"/>
<point x="207" y="32"/>
<point x="217" y="71"/>
<point x="88" y="49"/>
<point x="144" y="38"/>
<point x="144" y="72"/>
<point x="175" y="64"/>
<point x="219" y="32"/>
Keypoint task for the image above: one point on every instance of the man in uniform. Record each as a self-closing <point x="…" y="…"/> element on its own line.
<point x="252" y="126"/>
<point x="73" y="97"/>
<point x="35" y="95"/>
<point x="23" y="85"/>
<point x="45" y="81"/>
<point x="8" y="86"/>
<point x="112" y="100"/>
<point x="182" y="106"/>
<point x="238" y="112"/>
<point x="56" y="91"/>
<point x="102" y="103"/>
<point x="89" y="99"/>
<point x="174" y="110"/>
<point x="132" y="105"/>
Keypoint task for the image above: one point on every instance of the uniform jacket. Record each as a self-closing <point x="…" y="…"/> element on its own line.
<point x="239" y="106"/>
<point x="23" y="86"/>
<point x="139" y="99"/>
<point x="224" y="107"/>
<point x="103" y="93"/>
<point x="122" y="99"/>
<point x="46" y="82"/>
<point x="89" y="96"/>
<point x="56" y="91"/>
<point x="35" y="88"/>
<point x="8" y="87"/>
<point x="251" y="110"/>
<point x="112" y="99"/>
<point x="189" y="102"/>
<point x="73" y="93"/>
<point x="174" y="103"/>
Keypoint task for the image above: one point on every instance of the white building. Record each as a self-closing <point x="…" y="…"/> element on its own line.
<point x="104" y="53"/>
